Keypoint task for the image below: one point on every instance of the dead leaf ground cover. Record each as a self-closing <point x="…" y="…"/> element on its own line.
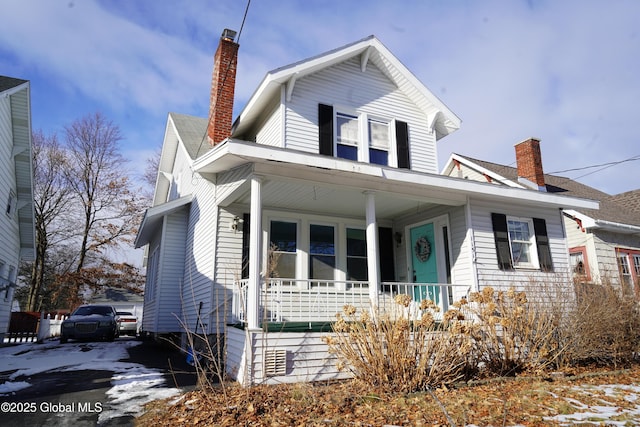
<point x="587" y="397"/>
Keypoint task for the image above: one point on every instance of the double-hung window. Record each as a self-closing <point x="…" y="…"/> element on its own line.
<point x="629" y="267"/>
<point x="378" y="142"/>
<point x="521" y="242"/>
<point x="284" y="244"/>
<point x="322" y="252"/>
<point x="363" y="137"/>
<point x="347" y="136"/>
<point x="356" y="254"/>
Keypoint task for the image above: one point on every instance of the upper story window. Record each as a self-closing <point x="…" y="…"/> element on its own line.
<point x="362" y="137"/>
<point x="521" y="242"/>
<point x="347" y="136"/>
<point x="11" y="203"/>
<point x="379" y="142"/>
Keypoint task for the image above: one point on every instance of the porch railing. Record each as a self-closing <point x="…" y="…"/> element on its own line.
<point x="292" y="300"/>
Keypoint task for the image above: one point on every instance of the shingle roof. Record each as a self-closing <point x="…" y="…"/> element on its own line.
<point x="7" y="83"/>
<point x="193" y="132"/>
<point x="623" y="208"/>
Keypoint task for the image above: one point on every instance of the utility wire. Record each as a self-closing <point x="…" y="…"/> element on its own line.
<point x="630" y="159"/>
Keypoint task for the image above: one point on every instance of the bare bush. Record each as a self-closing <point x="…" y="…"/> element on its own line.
<point x="605" y="324"/>
<point x="509" y="333"/>
<point x="405" y="350"/>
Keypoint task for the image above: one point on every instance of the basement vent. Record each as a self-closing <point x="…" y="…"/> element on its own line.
<point x="275" y="363"/>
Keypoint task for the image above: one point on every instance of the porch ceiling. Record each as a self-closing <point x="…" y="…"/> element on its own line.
<point x="327" y="199"/>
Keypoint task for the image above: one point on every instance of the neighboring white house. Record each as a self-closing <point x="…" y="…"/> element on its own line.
<point x="604" y="244"/>
<point x="325" y="191"/>
<point x="16" y="193"/>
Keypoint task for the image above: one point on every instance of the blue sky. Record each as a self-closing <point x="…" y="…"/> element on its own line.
<point x="567" y="72"/>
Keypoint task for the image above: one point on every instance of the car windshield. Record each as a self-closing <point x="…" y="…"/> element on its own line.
<point x="124" y="313"/>
<point x="89" y="310"/>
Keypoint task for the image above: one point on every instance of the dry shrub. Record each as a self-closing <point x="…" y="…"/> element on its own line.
<point x="401" y="351"/>
<point x="510" y="334"/>
<point x="605" y="325"/>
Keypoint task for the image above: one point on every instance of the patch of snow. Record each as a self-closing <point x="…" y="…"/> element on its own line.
<point x="133" y="385"/>
<point x="11" y="387"/>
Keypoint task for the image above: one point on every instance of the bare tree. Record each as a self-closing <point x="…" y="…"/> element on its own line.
<point x="151" y="172"/>
<point x="51" y="199"/>
<point x="96" y="174"/>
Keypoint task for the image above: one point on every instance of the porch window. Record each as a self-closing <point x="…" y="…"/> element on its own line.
<point x="347" y="136"/>
<point x="284" y="243"/>
<point x="356" y="254"/>
<point x="322" y="252"/>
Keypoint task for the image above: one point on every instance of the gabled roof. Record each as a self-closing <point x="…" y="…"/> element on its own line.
<point x="7" y="83"/>
<point x="614" y="209"/>
<point x="369" y="49"/>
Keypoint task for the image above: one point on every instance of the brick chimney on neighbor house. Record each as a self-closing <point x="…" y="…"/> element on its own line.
<point x="223" y="83"/>
<point x="529" y="161"/>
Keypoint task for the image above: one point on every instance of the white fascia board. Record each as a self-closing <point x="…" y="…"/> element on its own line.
<point x="585" y="220"/>
<point x="235" y="152"/>
<point x="450" y="165"/>
<point x="154" y="214"/>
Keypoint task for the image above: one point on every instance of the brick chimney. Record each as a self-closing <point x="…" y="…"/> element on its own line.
<point x="223" y="84"/>
<point x="529" y="161"/>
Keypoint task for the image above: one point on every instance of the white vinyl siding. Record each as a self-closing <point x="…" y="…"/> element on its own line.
<point x="368" y="92"/>
<point x="200" y="263"/>
<point x="307" y="357"/>
<point x="270" y="133"/>
<point x="486" y="259"/>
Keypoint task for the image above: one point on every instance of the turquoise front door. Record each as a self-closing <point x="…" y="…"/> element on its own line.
<point x="423" y="261"/>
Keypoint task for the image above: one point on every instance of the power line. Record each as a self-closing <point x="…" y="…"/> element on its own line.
<point x="606" y="165"/>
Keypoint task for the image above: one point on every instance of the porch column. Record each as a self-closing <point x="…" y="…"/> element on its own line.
<point x="255" y="254"/>
<point x="373" y="269"/>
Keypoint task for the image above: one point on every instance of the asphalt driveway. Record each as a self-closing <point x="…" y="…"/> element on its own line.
<point x="87" y="383"/>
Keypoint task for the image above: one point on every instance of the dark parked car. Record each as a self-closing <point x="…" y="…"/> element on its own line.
<point x="90" y="322"/>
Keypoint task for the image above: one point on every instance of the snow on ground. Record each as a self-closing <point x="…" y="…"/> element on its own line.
<point x="133" y="385"/>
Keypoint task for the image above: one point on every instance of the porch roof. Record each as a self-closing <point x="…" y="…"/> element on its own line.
<point x="153" y="218"/>
<point x="322" y="184"/>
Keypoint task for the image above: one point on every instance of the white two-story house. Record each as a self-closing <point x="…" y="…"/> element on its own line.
<point x="16" y="192"/>
<point x="325" y="191"/>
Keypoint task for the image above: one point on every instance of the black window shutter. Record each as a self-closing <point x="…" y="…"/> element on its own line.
<point x="385" y="243"/>
<point x="542" y="243"/>
<point x="402" y="144"/>
<point x="246" y="220"/>
<point x="501" y="236"/>
<point x="325" y="129"/>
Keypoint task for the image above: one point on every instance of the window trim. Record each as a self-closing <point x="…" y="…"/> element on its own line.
<point x="630" y="255"/>
<point x="541" y="256"/>
<point x="534" y="262"/>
